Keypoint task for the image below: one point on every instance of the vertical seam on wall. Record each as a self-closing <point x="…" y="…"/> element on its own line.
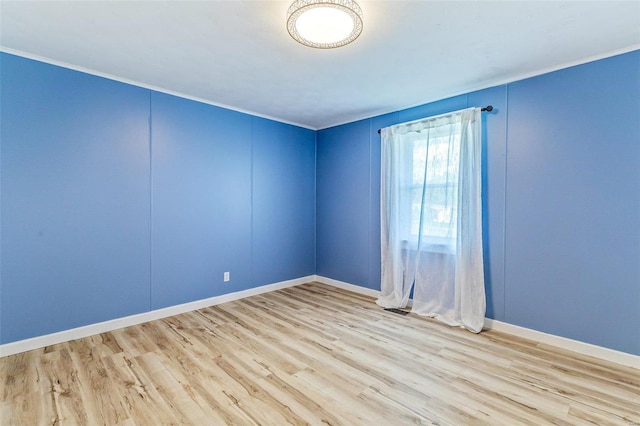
<point x="504" y="206"/>
<point x="1" y="341"/>
<point x="369" y="210"/>
<point x="315" y="202"/>
<point x="251" y="218"/>
<point x="150" y="204"/>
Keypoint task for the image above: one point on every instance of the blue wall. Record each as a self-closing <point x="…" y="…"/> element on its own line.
<point x="75" y="199"/>
<point x="116" y="200"/>
<point x="284" y="157"/>
<point x="561" y="200"/>
<point x="201" y="189"/>
<point x="573" y="203"/>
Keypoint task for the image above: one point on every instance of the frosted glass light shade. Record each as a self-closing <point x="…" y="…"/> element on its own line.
<point x="324" y="24"/>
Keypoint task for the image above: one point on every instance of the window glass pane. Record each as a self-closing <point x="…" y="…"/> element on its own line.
<point x="416" y="203"/>
<point x="419" y="156"/>
<point x="439" y="158"/>
<point x="440" y="211"/>
<point x="442" y="164"/>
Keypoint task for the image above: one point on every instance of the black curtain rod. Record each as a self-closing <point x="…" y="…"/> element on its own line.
<point x="487" y="108"/>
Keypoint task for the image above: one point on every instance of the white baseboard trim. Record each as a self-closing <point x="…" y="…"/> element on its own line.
<point x="346" y="286"/>
<point x="577" y="346"/>
<point x="583" y="348"/>
<point x="103" y="327"/>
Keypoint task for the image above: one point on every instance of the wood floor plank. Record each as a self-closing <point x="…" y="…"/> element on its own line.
<point x="140" y="398"/>
<point x="316" y="355"/>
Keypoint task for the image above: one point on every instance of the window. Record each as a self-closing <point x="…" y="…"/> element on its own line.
<point x="432" y="194"/>
<point x="431" y="218"/>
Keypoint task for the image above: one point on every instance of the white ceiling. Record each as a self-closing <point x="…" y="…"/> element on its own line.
<point x="239" y="54"/>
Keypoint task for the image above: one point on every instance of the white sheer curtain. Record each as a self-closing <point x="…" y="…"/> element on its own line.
<point x="431" y="218"/>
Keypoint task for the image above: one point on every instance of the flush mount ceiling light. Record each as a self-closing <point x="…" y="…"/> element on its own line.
<point x="324" y="24"/>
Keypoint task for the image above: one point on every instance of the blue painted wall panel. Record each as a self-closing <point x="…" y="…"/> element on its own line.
<point x="343" y="203"/>
<point x="283" y="243"/>
<point x="573" y="203"/>
<point x="201" y="173"/>
<point x="75" y="199"/>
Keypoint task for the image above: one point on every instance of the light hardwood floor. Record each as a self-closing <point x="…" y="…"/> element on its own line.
<point x="312" y="354"/>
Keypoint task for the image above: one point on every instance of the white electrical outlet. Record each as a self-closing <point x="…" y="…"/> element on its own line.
<point x="227" y="277"/>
